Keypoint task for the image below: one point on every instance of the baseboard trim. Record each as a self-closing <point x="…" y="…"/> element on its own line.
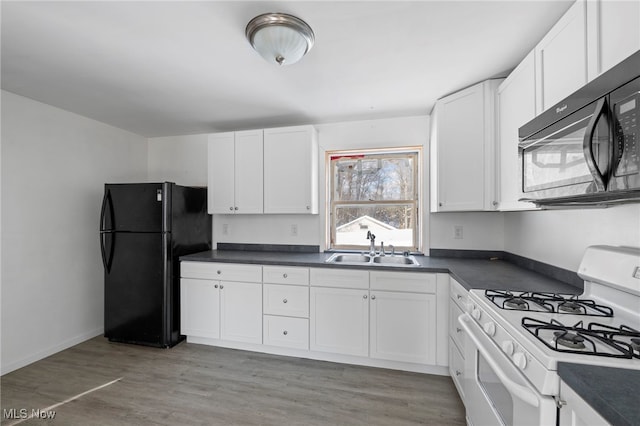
<point x="23" y="362"/>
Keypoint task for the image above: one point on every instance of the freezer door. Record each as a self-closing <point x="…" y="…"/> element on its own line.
<point x="137" y="289"/>
<point x="136" y="207"/>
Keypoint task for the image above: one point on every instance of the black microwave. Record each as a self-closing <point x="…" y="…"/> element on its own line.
<point x="585" y="150"/>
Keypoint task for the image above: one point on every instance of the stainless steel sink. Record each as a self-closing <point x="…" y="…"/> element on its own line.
<point x="364" y="259"/>
<point x="349" y="258"/>
<point x="395" y="260"/>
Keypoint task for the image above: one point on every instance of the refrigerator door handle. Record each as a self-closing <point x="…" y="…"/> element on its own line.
<point x="107" y="208"/>
<point x="107" y="260"/>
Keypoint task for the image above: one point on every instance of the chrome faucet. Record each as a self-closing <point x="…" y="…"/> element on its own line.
<point x="372" y="245"/>
<point x="393" y="250"/>
<point x="382" y="253"/>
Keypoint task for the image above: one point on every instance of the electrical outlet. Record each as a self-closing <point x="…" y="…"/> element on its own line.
<point x="458" y="232"/>
<point x="225" y="229"/>
<point x="294" y="230"/>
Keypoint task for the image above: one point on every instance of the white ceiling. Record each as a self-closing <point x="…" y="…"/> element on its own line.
<point x="170" y="68"/>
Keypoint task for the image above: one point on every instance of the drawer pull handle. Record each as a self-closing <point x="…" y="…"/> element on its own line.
<point x="219" y="271"/>
<point x="221" y="286"/>
<point x="364" y="297"/>
<point x="284" y="275"/>
<point x="373" y="297"/>
<point x="458" y="329"/>
<point x="458" y="373"/>
<point x="458" y="296"/>
<point x="285" y="332"/>
<point x="284" y="300"/>
<point x="215" y="286"/>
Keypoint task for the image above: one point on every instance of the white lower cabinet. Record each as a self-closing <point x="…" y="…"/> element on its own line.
<point x="403" y="326"/>
<point x="379" y="318"/>
<point x="200" y="308"/>
<point x="339" y="320"/>
<point x="241" y="311"/>
<point x="457" y="337"/>
<point x="228" y="309"/>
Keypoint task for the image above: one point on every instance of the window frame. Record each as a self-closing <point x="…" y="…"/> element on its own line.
<point x="331" y="204"/>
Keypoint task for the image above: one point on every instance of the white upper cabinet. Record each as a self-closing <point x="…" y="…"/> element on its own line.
<point x="561" y="57"/>
<point x="613" y="31"/>
<point x="291" y="170"/>
<point x="516" y="106"/>
<point x="235" y="172"/>
<point x="463" y="150"/>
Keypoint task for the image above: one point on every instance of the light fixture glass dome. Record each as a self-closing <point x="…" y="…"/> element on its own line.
<point x="280" y="38"/>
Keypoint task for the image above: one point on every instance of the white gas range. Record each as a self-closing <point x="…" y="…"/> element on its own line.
<point x="516" y="339"/>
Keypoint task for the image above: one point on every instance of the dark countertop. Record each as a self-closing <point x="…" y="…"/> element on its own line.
<point x="471" y="273"/>
<point x="613" y="392"/>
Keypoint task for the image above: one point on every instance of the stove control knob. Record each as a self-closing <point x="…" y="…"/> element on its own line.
<point x="520" y="360"/>
<point x="507" y="347"/>
<point x="476" y="313"/>
<point x="489" y="328"/>
<point x="469" y="307"/>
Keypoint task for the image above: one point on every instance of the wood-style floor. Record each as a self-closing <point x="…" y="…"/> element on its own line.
<point x="202" y="385"/>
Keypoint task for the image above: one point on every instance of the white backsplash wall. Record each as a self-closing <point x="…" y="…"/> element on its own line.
<point x="559" y="237"/>
<point x="480" y="231"/>
<point x="54" y="166"/>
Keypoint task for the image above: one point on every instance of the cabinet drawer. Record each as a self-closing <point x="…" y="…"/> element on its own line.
<point x="455" y="330"/>
<point x="221" y="271"/>
<point x="286" y="332"/>
<point x="403" y="281"/>
<point x="345" y="278"/>
<point x="458" y="294"/>
<point x="286" y="300"/>
<point x="285" y="275"/>
<point x="456" y="367"/>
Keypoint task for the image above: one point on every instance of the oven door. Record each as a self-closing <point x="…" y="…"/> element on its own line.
<point x="496" y="392"/>
<point x="570" y="157"/>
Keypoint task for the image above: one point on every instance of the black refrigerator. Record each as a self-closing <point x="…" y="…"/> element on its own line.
<point x="144" y="228"/>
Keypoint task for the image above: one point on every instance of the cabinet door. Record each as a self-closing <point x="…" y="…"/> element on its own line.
<point x="221" y="173"/>
<point x="614" y="33"/>
<point x="456" y="368"/>
<point x="561" y="57"/>
<point x="403" y="327"/>
<point x="339" y="321"/>
<point x="577" y="412"/>
<point x="248" y="172"/>
<point x="516" y="106"/>
<point x="460" y="151"/>
<point x="241" y="311"/>
<point x="199" y="308"/>
<point x="291" y="170"/>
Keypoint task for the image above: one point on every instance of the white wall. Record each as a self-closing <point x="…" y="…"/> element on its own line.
<point x="54" y="166"/>
<point x="183" y="160"/>
<point x="179" y="159"/>
<point x="559" y="237"/>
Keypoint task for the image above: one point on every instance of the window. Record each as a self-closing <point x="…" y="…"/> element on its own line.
<point x="374" y="191"/>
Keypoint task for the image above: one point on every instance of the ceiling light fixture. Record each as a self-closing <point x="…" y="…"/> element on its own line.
<point x="280" y="38"/>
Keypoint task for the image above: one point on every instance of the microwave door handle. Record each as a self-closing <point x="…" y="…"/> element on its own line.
<point x="516" y="389"/>
<point x="587" y="145"/>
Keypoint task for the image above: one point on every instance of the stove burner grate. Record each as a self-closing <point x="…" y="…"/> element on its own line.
<point x="578" y="339"/>
<point x="546" y="302"/>
<point x="623" y="335"/>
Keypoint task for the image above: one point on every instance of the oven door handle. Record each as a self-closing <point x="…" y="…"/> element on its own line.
<point x="522" y="392"/>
